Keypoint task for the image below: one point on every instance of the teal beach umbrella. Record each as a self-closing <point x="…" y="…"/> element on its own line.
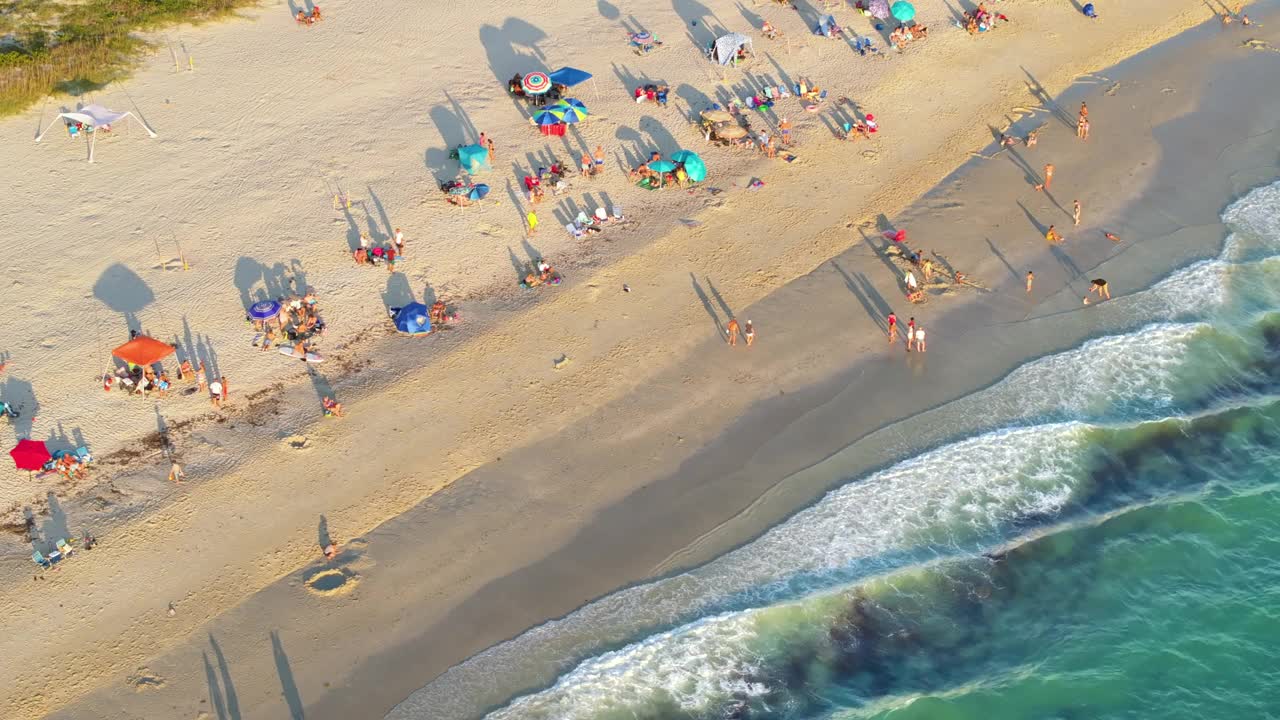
<point x="903" y="11"/>
<point x="662" y="166"/>
<point x="693" y="165"/>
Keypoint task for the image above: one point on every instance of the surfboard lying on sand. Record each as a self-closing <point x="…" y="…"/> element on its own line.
<point x="310" y="357"/>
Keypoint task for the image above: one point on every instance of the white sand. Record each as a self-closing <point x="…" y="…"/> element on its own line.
<point x="361" y="100"/>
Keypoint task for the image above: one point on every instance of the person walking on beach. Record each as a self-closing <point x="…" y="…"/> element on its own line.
<point x="532" y="219"/>
<point x="1075" y="212"/>
<point x="911" y="282"/>
<point x="911" y="333"/>
<point x="784" y="127"/>
<point x="225" y="388"/>
<point x="1031" y="278"/>
<point x="175" y="473"/>
<point x="493" y="153"/>
<point x="1084" y="128"/>
<point x="397" y="239"/>
<point x="732" y="331"/>
<point x="391" y="259"/>
<point x="1098" y="285"/>
<point x="1048" y="177"/>
<point x="215" y="395"/>
<point x="920" y="346"/>
<point x="893" y="328"/>
<point x="599" y="158"/>
<point x="749" y="332"/>
<point x="201" y="382"/>
<point x="1052" y="235"/>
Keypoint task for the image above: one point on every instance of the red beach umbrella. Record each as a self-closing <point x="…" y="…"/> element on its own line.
<point x="143" y="350"/>
<point x="30" y="454"/>
<point x="536" y="83"/>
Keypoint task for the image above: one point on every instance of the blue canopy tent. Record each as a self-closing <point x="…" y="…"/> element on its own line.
<point x="473" y="158"/>
<point x="414" y="319"/>
<point x="569" y="77"/>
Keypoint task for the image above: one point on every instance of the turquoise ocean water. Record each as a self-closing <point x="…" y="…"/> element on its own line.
<point x="1109" y="548"/>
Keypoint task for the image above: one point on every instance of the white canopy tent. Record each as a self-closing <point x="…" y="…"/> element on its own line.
<point x="94" y="117"/>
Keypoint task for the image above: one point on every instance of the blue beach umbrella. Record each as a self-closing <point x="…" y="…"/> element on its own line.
<point x="550" y="116"/>
<point x="264" y="310"/>
<point x="903" y="11"/>
<point x="693" y="165"/>
<point x="414" y="319"/>
<point x="571" y="111"/>
<point x="478" y="191"/>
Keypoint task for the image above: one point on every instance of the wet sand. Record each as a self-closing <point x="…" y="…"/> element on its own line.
<point x="678" y="439"/>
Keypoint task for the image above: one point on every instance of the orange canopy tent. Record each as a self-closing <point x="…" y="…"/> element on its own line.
<point x="143" y="350"/>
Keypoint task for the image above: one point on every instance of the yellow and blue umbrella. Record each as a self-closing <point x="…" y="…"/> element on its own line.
<point x="571" y="110"/>
<point x="549" y="116"/>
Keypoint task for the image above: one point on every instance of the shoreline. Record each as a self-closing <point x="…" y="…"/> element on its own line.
<point x="567" y="423"/>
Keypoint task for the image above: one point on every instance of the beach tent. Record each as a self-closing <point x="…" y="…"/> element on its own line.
<point x="726" y="48"/>
<point x="827" y="26"/>
<point x="93" y="117"/>
<point x="693" y="165"/>
<point x="30" y="454"/>
<point x="473" y="158"/>
<point x="570" y="77"/>
<point x="414" y="319"/>
<point x="143" y="350"/>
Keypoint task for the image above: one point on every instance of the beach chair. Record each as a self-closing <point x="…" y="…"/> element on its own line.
<point x="64" y="547"/>
<point x="39" y="559"/>
<point x="574" y="230"/>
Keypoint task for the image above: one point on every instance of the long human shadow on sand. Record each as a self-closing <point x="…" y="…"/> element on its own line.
<point x="701" y="25"/>
<point x="121" y="290"/>
<point x="21" y="396"/>
<point x="288" y="687"/>
<point x="513" y="50"/>
<point x="222" y="692"/>
<point x="1043" y="97"/>
<point x="872" y="302"/>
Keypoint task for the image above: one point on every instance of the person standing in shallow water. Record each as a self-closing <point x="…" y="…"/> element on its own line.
<point x="893" y="328"/>
<point x="1031" y="278"/>
<point x="732" y="332"/>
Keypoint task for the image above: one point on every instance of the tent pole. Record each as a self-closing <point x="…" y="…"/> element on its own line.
<point x="93" y="142"/>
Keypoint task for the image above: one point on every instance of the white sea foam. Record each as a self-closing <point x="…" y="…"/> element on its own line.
<point x="951" y="498"/>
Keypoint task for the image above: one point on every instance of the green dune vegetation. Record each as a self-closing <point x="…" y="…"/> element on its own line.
<point x="75" y="46"/>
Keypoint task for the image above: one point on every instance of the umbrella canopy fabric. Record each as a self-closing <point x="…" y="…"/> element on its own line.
<point x="414" y="319"/>
<point x="570" y="113"/>
<point x="473" y="158"/>
<point x="536" y="83"/>
<point x="264" y="310"/>
<point x="30" y="454"/>
<point x="143" y="350"/>
<point x="478" y="191"/>
<point x="662" y="166"/>
<point x="569" y="77"/>
<point x="693" y="165"/>
<point x="716" y="116"/>
<point x="550" y="116"/>
<point x="573" y="103"/>
<point x="879" y="9"/>
<point x="729" y="131"/>
<point x="903" y="11"/>
<point x="642" y="38"/>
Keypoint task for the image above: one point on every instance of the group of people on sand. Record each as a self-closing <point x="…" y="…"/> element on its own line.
<point x="643" y="173"/>
<point x="653" y="93"/>
<point x="297" y="322"/>
<point x="389" y="254"/>
<point x="540" y="274"/>
<point x="902" y="35"/>
<point x="915" y="333"/>
<point x="305" y="18"/>
<point x="733" y="329"/>
<point x="980" y="19"/>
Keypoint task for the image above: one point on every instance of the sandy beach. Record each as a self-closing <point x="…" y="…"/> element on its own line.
<point x="477" y="487"/>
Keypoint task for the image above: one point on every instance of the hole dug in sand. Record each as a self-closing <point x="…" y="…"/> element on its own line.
<point x="330" y="581"/>
<point x="144" y="680"/>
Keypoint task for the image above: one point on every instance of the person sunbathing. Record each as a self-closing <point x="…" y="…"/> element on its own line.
<point x="437" y="311"/>
<point x="315" y="14"/>
<point x="331" y="407"/>
<point x="302" y="18"/>
<point x="769" y="31"/>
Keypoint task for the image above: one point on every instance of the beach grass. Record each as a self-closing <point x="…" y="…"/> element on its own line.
<point x="49" y="47"/>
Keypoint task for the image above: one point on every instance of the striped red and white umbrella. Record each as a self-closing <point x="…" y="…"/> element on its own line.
<point x="536" y="83"/>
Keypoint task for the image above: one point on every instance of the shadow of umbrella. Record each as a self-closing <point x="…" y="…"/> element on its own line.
<point x="120" y="289"/>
